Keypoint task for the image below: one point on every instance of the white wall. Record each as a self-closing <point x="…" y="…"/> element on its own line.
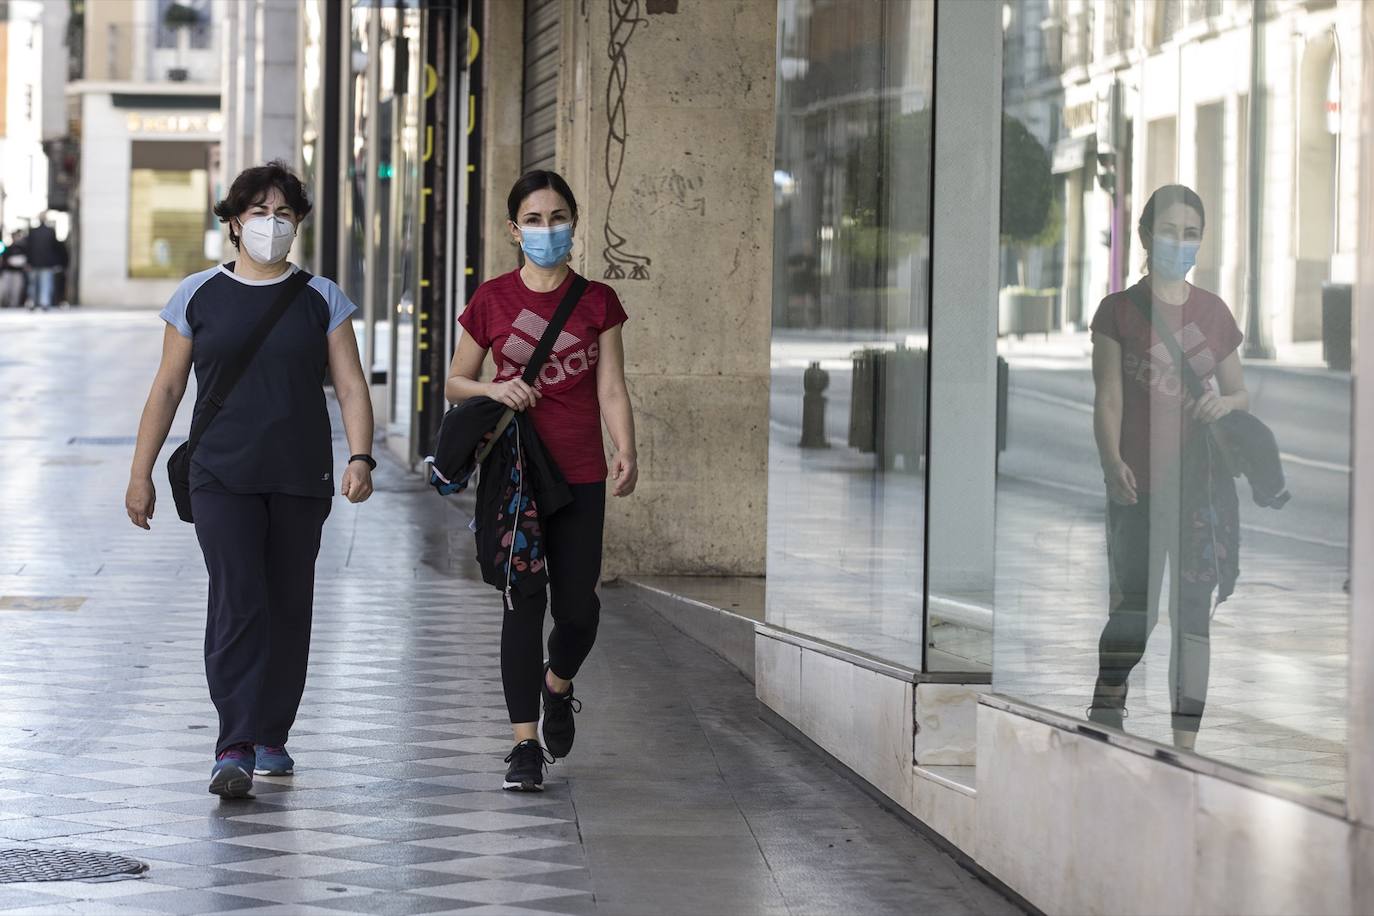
<point x="23" y="166"/>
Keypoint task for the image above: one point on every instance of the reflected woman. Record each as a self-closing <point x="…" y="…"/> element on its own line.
<point x="1172" y="511"/>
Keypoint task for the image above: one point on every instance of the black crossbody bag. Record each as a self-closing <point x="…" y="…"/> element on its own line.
<point x="541" y="355"/>
<point x="179" y="465"/>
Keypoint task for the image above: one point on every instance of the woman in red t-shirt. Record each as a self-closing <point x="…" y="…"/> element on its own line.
<point x="1168" y="496"/>
<point x="581" y="384"/>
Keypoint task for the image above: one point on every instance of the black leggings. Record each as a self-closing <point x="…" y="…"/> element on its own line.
<point x="572" y="547"/>
<point x="1139" y="539"/>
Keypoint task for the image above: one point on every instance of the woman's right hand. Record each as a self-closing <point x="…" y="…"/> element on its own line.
<point x="1120" y="483"/>
<point x="515" y="394"/>
<point x="140" y="500"/>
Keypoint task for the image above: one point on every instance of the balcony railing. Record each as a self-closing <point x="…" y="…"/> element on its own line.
<point x="153" y="53"/>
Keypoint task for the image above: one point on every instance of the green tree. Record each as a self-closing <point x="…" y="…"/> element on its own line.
<point x="1030" y="216"/>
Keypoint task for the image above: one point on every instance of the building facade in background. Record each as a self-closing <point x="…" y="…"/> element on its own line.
<point x="23" y="165"/>
<point x="1128" y="95"/>
<point x="140" y="155"/>
<point x="860" y="245"/>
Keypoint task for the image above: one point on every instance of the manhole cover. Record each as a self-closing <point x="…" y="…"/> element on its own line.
<point x="62" y="865"/>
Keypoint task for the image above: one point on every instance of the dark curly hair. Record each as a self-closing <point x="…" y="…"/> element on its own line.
<point x="252" y="187"/>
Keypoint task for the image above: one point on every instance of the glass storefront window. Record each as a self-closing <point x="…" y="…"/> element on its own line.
<point x="169" y="195"/>
<point x="402" y="187"/>
<point x="851" y="260"/>
<point x="1120" y="523"/>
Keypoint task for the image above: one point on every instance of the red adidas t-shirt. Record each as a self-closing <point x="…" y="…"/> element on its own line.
<point x="508" y="318"/>
<point x="1154" y="425"/>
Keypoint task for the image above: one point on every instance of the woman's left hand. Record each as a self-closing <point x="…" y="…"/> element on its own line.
<point x="357" y="482"/>
<point x="1210" y="408"/>
<point x="625" y="473"/>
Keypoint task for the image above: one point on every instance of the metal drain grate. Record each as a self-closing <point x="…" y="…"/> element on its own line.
<point x="18" y="865"/>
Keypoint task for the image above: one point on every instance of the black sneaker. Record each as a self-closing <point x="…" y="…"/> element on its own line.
<point x="559" y="727"/>
<point x="1109" y="706"/>
<point x="527" y="763"/>
<point x="232" y="774"/>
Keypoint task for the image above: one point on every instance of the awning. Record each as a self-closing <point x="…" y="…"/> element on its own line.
<point x="1071" y="154"/>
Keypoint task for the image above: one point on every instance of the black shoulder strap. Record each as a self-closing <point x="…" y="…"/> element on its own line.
<point x="541" y="354"/>
<point x="560" y="318"/>
<point x="1144" y="301"/>
<point x="290" y="289"/>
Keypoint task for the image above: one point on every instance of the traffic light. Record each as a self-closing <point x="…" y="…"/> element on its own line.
<point x="1106" y="172"/>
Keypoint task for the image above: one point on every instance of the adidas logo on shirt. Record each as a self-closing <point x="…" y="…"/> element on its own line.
<point x="570" y="357"/>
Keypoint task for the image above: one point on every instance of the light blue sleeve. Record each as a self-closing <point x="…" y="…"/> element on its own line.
<point x="174" y="313"/>
<point x="340" y="308"/>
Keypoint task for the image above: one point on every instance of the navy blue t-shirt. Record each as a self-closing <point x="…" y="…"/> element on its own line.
<point x="272" y="435"/>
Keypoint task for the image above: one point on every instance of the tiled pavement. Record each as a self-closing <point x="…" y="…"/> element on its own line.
<point x="678" y="799"/>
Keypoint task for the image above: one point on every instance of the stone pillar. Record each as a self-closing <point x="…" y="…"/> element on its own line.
<point x="229" y="92"/>
<point x="961" y="466"/>
<point x="276" y="70"/>
<point x="245" y="79"/>
<point x="666" y="135"/>
<point x="502" y="60"/>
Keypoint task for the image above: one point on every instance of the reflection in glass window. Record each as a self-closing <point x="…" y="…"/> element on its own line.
<point x="851" y="262"/>
<point x="1178" y="334"/>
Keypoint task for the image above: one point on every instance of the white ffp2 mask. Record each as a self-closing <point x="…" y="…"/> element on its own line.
<point x="268" y="238"/>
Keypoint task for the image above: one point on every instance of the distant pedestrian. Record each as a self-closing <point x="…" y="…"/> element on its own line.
<point x="1171" y="497"/>
<point x="262" y="474"/>
<point x="14" y="265"/>
<point x="581" y="384"/>
<point x="46" y="254"/>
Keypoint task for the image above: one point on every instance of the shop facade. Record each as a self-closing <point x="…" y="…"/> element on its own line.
<point x="143" y="132"/>
<point x="861" y="245"/>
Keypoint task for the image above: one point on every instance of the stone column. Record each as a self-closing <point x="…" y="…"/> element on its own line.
<point x="502" y="60"/>
<point x="276" y="68"/>
<point x="961" y="466"/>
<point x="244" y="138"/>
<point x="230" y="92"/>
<point x="666" y="135"/>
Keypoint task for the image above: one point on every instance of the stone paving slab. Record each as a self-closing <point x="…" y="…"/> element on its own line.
<point x="668" y="804"/>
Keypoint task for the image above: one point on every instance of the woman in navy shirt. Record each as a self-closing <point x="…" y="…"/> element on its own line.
<point x="262" y="476"/>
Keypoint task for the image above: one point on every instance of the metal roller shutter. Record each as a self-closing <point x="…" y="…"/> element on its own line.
<point x="539" y="109"/>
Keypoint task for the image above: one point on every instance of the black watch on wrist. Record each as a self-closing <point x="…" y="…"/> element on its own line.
<point x="371" y="462"/>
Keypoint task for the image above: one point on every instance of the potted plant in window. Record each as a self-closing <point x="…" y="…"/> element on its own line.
<point x="181" y="18"/>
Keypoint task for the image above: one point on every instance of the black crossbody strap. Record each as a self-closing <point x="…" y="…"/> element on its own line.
<point x="290" y="289"/>
<point x="560" y="318"/>
<point x="541" y="354"/>
<point x="1142" y="297"/>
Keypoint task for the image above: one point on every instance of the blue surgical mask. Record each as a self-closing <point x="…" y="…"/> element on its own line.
<point x="1172" y="259"/>
<point x="546" y="246"/>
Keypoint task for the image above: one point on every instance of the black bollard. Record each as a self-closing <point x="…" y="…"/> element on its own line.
<point x="814" y="382"/>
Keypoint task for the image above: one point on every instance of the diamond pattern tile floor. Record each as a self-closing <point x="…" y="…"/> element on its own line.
<point x="106" y="728"/>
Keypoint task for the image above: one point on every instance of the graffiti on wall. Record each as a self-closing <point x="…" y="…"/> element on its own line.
<point x="621" y="262"/>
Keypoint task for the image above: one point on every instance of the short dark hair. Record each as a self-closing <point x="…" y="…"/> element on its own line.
<point x="538" y="180"/>
<point x="252" y="186"/>
<point x="1166" y="196"/>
